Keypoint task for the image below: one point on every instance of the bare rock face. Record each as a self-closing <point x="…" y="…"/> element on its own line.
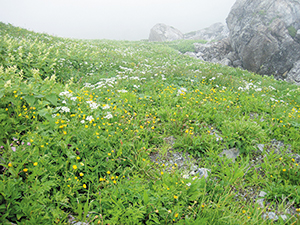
<point x="265" y="35"/>
<point x="215" y="32"/>
<point x="161" y="32"/>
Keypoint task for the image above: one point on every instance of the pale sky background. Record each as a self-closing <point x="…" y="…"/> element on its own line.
<point x="112" y="19"/>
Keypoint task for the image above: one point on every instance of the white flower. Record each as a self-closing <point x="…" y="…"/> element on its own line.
<point x="73" y="98"/>
<point x="258" y="89"/>
<point x="272" y="88"/>
<point x="89" y="118"/>
<point x="82" y="121"/>
<point x="188" y="184"/>
<point x="185" y="176"/>
<point x="66" y="93"/>
<point x="136" y="86"/>
<point x="108" y="116"/>
<point x="64" y="102"/>
<point x="93" y="105"/>
<point x="53" y="115"/>
<point x="106" y="106"/>
<point x="121" y="91"/>
<point x="181" y="91"/>
<point x="64" y="109"/>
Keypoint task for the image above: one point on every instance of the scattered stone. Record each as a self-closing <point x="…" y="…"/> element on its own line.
<point x="232" y="153"/>
<point x="260" y="202"/>
<point x="284" y="217"/>
<point x="262" y="194"/>
<point x="191" y="54"/>
<point x="260" y="147"/>
<point x="270" y="216"/>
<point x="170" y="140"/>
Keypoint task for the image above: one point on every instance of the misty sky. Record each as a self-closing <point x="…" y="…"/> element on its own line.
<point x="112" y="19"/>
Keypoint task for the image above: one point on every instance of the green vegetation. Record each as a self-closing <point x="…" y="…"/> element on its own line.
<point x="80" y="120"/>
<point x="184" y="46"/>
<point x="292" y="31"/>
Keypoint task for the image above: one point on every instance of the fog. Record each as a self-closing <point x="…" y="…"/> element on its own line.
<point x="112" y="19"/>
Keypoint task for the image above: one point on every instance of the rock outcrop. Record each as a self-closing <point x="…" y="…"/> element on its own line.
<point x="161" y="32"/>
<point x="265" y="35"/>
<point x="215" y="32"/>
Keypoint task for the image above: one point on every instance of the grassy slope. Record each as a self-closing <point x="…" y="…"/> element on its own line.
<point x="58" y="161"/>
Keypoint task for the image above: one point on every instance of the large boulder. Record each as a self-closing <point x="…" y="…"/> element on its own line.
<point x="161" y="32"/>
<point x="266" y="35"/>
<point x="216" y="52"/>
<point x="215" y="32"/>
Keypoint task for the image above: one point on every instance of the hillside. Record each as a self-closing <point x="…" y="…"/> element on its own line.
<point x="90" y="128"/>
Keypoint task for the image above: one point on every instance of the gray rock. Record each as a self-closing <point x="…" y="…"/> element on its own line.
<point x="232" y="153"/>
<point x="191" y="54"/>
<point x="215" y="32"/>
<point x="237" y="63"/>
<point x="202" y="172"/>
<point x="213" y="52"/>
<point x="260" y="147"/>
<point x="225" y="62"/>
<point x="264" y="34"/>
<point x="260" y="202"/>
<point x="270" y="216"/>
<point x="294" y="74"/>
<point x="284" y="217"/>
<point x="161" y="32"/>
<point x="262" y="194"/>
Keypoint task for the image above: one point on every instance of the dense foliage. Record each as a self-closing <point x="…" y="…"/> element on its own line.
<point x="80" y="118"/>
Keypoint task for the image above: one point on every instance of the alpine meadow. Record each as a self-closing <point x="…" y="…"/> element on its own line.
<point x="135" y="132"/>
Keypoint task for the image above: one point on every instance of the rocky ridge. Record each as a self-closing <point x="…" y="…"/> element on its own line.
<point x="262" y="37"/>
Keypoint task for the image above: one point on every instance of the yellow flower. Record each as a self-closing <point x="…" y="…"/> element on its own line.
<point x="176" y="215"/>
<point x="84" y="186"/>
<point x="81" y="174"/>
<point x="9" y="164"/>
<point x="114" y="182"/>
<point x="42" y="146"/>
<point x="244" y="211"/>
<point x="74" y="167"/>
<point x="175" y="196"/>
<point x="35" y="164"/>
<point x="162" y="173"/>
<point x="284" y="170"/>
<point x="25" y="170"/>
<point x="108" y="172"/>
<point x="293" y="160"/>
<point x="77" y="157"/>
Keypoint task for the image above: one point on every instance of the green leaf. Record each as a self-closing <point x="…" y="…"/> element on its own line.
<point x="52" y="98"/>
<point x="146" y="197"/>
<point x="43" y="112"/>
<point x="1" y="93"/>
<point x="30" y="100"/>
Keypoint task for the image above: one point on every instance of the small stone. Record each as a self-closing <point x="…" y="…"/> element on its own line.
<point x="260" y="202"/>
<point x="260" y="147"/>
<point x="231" y="153"/>
<point x="262" y="194"/>
<point x="270" y="216"/>
<point x="284" y="217"/>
